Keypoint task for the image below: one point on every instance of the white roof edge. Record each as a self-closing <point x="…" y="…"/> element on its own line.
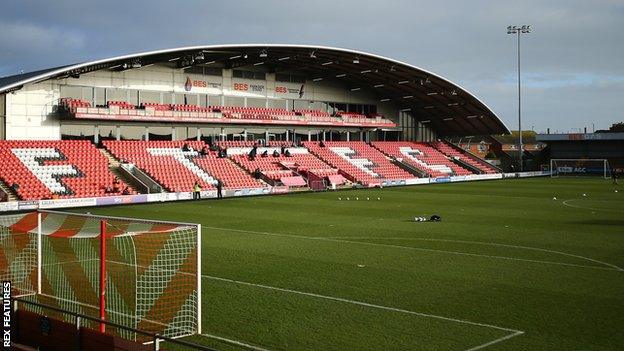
<point x="233" y="46"/>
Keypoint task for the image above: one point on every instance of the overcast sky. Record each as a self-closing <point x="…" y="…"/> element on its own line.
<point x="572" y="62"/>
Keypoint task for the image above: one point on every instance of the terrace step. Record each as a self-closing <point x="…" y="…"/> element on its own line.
<point x="11" y="196"/>
<point x="114" y="166"/>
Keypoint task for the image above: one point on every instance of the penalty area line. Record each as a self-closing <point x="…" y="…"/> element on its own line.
<point x="361" y="303"/>
<point x="496" y="341"/>
<point x="235" y="342"/>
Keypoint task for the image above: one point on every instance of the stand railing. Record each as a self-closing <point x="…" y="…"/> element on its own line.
<point x="156" y="339"/>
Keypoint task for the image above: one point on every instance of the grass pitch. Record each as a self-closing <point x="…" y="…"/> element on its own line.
<point x="508" y="268"/>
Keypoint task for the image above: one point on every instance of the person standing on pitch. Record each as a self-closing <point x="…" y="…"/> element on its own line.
<point x="196" y="191"/>
<point x="219" y="189"/>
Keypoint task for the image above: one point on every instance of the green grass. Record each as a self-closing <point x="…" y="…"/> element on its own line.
<point x="371" y="252"/>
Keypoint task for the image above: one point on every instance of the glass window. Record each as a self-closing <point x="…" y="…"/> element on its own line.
<point x="76" y="131"/>
<point x="178" y="99"/>
<point x="133" y="96"/>
<point x="287" y="77"/>
<point x="150" y="96"/>
<point x="234" y="101"/>
<point x="192" y="99"/>
<point x="113" y="94"/>
<point x="107" y="133"/>
<point x="213" y="71"/>
<point x="255" y="102"/>
<point x="207" y="71"/>
<point x="214" y="100"/>
<point x="248" y="74"/>
<point x="167" y="98"/>
<point x="160" y="133"/>
<point x="302" y="104"/>
<point x="277" y="103"/>
<point x="100" y="96"/>
<point x="132" y="132"/>
<point x="87" y="94"/>
<point x="282" y="77"/>
<point x="70" y="91"/>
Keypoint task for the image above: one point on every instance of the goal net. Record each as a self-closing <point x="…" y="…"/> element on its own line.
<point x="151" y="277"/>
<point x="580" y="167"/>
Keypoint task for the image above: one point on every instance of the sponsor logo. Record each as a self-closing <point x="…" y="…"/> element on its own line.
<point x="28" y="205"/>
<point x="443" y="179"/>
<point x="241" y="86"/>
<point x="8" y="206"/>
<point x="118" y="200"/>
<point x="248" y="87"/>
<point x="568" y="169"/>
<point x="295" y="91"/>
<point x="279" y="189"/>
<point x="75" y="202"/>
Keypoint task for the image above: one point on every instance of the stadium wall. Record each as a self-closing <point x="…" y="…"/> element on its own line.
<point x="29" y="111"/>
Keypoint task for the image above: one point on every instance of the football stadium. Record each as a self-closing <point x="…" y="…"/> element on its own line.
<point x="294" y="197"/>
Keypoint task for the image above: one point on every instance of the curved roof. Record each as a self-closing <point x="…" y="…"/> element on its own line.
<point x="449" y="108"/>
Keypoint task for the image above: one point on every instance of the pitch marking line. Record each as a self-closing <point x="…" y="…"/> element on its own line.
<point x="235" y="342"/>
<point x="567" y="203"/>
<point x="507" y="337"/>
<point x="613" y="267"/>
<point x="484" y="243"/>
<point x="513" y="332"/>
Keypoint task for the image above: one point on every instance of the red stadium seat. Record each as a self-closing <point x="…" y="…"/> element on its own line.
<point x="359" y="161"/>
<point x="56" y="169"/>
<point x="157" y="159"/>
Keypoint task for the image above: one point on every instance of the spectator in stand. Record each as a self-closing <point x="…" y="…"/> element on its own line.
<point x="185" y="147"/>
<point x="219" y="189"/>
<point x="256" y="173"/>
<point x="203" y="151"/>
<point x="287" y="153"/>
<point x="322" y="144"/>
<point x="265" y="153"/>
<point x="116" y="185"/>
<point x="196" y="191"/>
<point x="276" y="153"/>
<point x="126" y="191"/>
<point x="253" y="152"/>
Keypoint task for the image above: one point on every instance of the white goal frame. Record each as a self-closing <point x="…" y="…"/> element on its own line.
<point x="36" y="257"/>
<point x="555" y="173"/>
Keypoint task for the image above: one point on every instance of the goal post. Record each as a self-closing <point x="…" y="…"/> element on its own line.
<point x="579" y="167"/>
<point x="138" y="273"/>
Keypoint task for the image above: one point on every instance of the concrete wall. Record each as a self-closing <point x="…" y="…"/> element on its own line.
<point x="29" y="112"/>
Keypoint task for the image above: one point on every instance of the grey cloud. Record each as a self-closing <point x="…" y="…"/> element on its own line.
<point x="464" y="41"/>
